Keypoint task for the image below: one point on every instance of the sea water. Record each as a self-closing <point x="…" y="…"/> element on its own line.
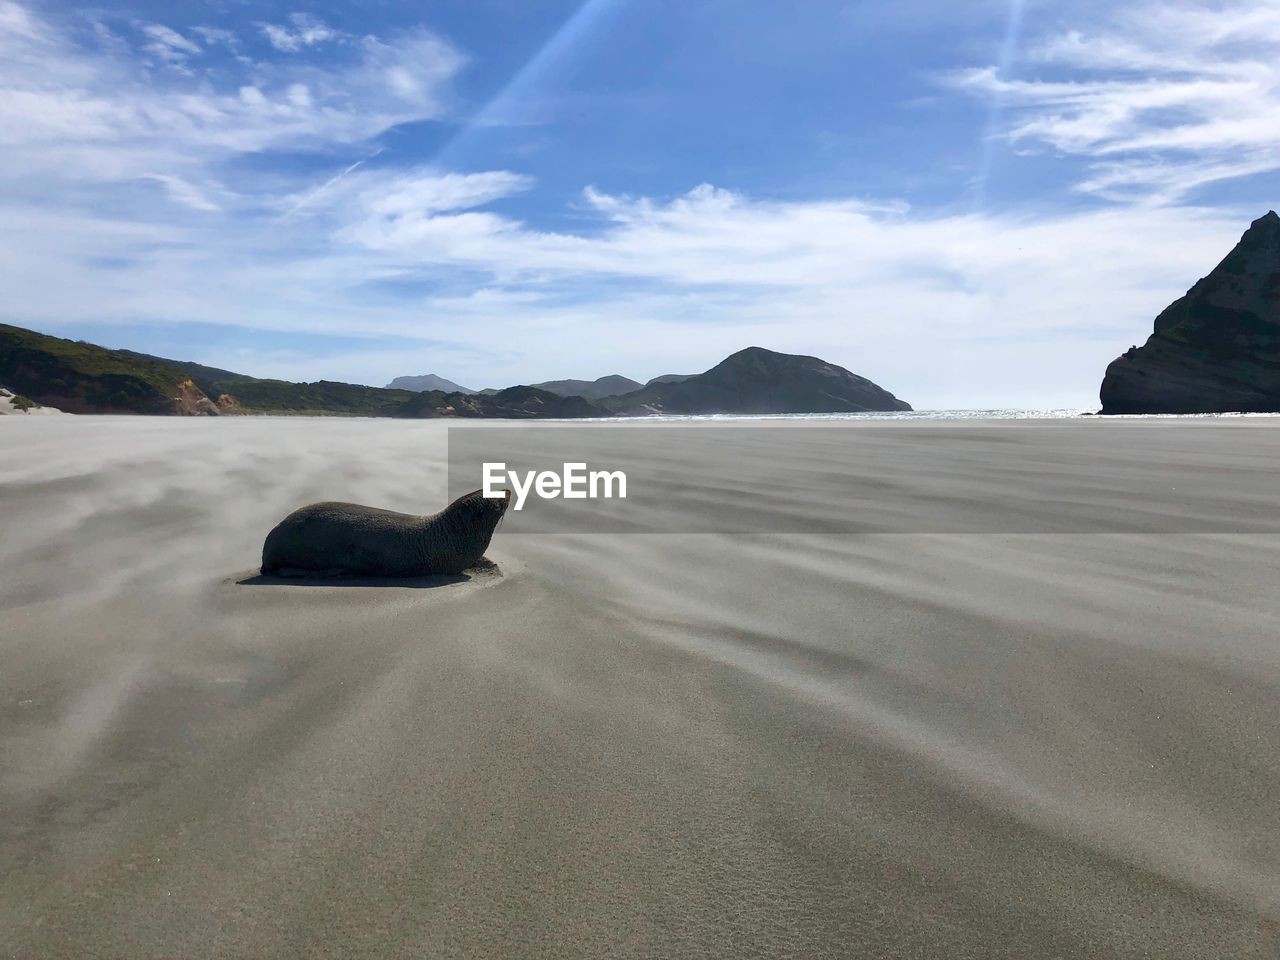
<point x="1004" y="413"/>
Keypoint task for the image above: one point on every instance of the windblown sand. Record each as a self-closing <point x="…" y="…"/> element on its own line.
<point x="952" y="745"/>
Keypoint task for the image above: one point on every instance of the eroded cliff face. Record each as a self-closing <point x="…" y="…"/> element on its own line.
<point x="191" y="402"/>
<point x="1215" y="350"/>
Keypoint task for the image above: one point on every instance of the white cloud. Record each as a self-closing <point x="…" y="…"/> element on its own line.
<point x="167" y="44"/>
<point x="943" y="310"/>
<point x="183" y="192"/>
<point x="17" y="21"/>
<point x="212" y="35"/>
<point x="408" y="194"/>
<point x="96" y="114"/>
<point x="305" y="32"/>
<point x="1165" y="98"/>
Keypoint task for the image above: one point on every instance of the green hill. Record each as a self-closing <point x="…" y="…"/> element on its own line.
<point x="80" y="377"/>
<point x="610" y="386"/>
<point x="761" y="381"/>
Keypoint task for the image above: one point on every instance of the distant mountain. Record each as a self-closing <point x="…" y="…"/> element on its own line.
<point x="80" y="377"/>
<point x="756" y="380"/>
<point x="428" y="381"/>
<point x="670" y="378"/>
<point x="610" y="386"/>
<point x="1215" y="350"/>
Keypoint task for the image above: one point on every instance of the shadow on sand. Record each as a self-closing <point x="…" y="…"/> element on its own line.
<point x="482" y="570"/>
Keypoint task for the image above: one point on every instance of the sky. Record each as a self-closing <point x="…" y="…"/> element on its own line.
<point x="974" y="204"/>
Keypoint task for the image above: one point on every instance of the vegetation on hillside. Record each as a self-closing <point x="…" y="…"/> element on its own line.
<point x="83" y="378"/>
<point x="761" y="381"/>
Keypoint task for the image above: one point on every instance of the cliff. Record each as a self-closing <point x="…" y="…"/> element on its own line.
<point x="1216" y="349"/>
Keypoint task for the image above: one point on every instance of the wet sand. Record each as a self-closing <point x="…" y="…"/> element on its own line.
<point x="962" y="745"/>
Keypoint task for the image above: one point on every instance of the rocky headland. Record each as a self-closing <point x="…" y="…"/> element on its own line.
<point x="1216" y="349"/>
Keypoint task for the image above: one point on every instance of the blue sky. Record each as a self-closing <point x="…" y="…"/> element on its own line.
<point x="973" y="204"/>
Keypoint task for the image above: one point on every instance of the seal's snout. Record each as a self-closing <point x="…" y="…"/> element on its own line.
<point x="505" y="499"/>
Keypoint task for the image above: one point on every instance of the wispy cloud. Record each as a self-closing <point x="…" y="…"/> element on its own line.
<point x="912" y="301"/>
<point x="213" y="35"/>
<point x="82" y="112"/>
<point x="17" y="21"/>
<point x="407" y="197"/>
<point x="183" y="192"/>
<point x="1163" y="99"/>
<point x="305" y="32"/>
<point x="167" y="44"/>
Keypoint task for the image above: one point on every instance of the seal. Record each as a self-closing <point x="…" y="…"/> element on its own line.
<point x="336" y="539"/>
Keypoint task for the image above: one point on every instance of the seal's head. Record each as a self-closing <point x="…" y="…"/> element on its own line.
<point x="478" y="511"/>
<point x="458" y="536"/>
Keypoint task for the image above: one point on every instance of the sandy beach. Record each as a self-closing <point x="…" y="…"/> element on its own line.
<point x="1028" y="741"/>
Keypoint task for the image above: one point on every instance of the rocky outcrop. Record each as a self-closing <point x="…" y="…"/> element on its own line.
<point x="756" y="380"/>
<point x="1215" y="350"/>
<point x="191" y="402"/>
